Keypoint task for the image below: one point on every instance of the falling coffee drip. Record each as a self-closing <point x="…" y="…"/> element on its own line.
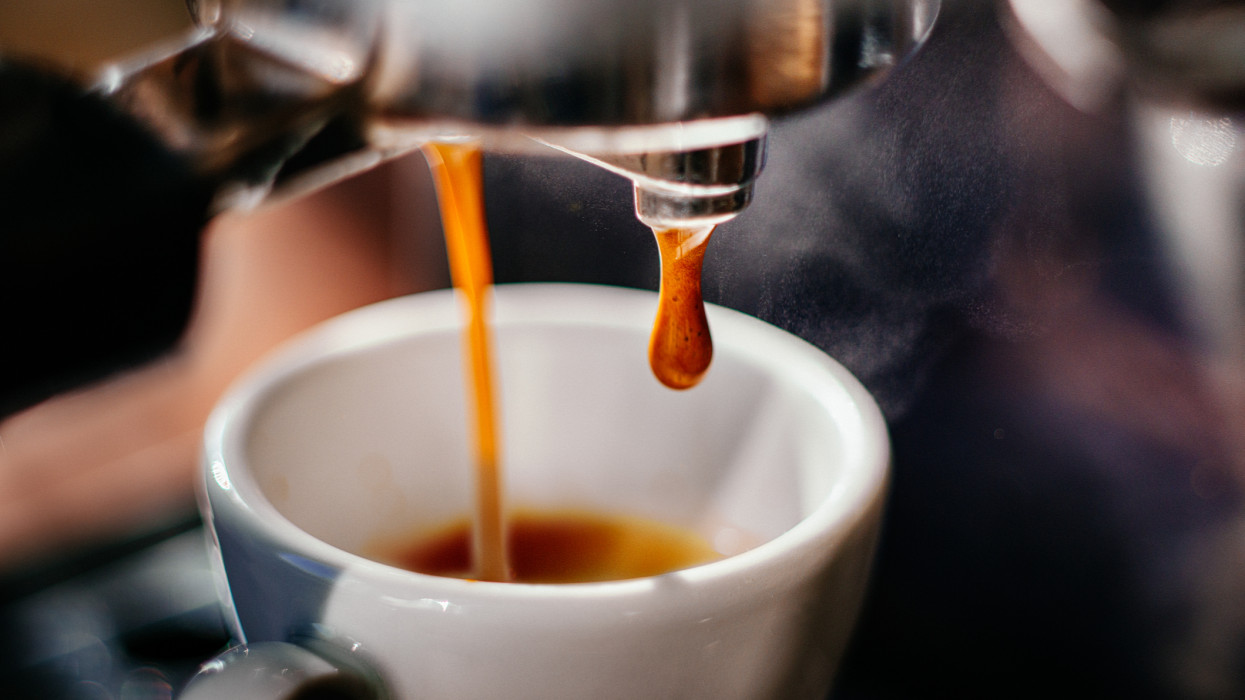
<point x="456" y="170"/>
<point x="680" y="348"/>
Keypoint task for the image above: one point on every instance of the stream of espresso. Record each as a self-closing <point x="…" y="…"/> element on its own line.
<point x="456" y="170"/>
<point x="680" y="350"/>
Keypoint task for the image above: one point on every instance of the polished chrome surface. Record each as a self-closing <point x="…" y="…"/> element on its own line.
<point x="662" y="91"/>
<point x="603" y="63"/>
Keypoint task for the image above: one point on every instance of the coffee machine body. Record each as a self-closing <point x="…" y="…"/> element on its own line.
<point x="673" y="95"/>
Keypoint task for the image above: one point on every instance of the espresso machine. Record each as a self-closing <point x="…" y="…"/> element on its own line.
<point x="265" y="100"/>
<point x="274" y="96"/>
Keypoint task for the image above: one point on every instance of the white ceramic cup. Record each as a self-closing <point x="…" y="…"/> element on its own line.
<point x="356" y="432"/>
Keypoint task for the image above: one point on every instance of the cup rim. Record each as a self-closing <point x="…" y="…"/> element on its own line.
<point x="856" y="491"/>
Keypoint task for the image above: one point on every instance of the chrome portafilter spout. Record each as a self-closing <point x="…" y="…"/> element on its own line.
<point x="705" y="186"/>
<point x="696" y="184"/>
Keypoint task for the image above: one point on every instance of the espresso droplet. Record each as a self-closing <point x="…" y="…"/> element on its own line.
<point x="680" y="347"/>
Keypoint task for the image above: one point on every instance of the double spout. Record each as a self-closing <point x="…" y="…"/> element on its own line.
<point x="270" y="97"/>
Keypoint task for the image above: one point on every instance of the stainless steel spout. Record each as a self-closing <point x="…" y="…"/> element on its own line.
<point x="693" y="184"/>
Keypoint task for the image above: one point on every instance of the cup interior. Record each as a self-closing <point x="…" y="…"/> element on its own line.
<point x="359" y="434"/>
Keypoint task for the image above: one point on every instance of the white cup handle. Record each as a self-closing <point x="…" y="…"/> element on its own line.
<point x="284" y="671"/>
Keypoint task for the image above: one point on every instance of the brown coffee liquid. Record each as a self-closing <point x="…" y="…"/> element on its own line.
<point x="456" y="170"/>
<point x="491" y="546"/>
<point x="562" y="547"/>
<point x="680" y="347"/>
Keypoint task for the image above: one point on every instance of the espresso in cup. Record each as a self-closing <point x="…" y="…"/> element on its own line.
<point x="558" y="546"/>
